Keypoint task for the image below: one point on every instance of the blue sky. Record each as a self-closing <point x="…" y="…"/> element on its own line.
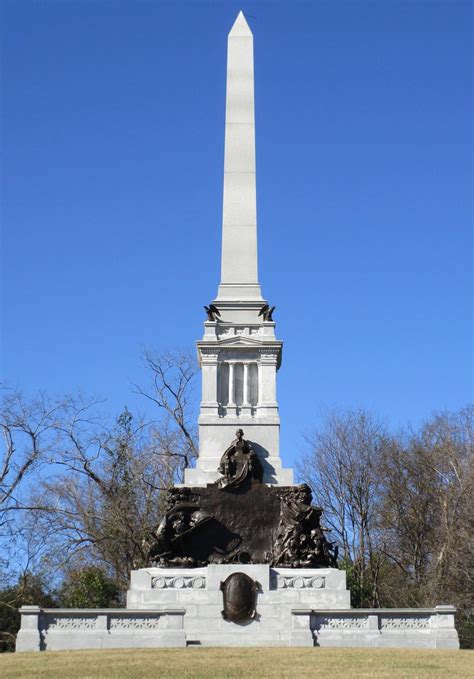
<point x="113" y="132"/>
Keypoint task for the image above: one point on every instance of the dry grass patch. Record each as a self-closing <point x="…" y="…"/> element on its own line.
<point x="201" y="663"/>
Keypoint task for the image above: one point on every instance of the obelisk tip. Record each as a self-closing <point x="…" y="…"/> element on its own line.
<point x="240" y="28"/>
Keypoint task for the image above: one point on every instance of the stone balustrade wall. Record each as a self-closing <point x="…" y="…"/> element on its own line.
<point x="71" y="629"/>
<point x="376" y="628"/>
<point x="57" y="629"/>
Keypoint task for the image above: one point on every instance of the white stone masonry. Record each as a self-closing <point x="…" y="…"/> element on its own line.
<point x="239" y="267"/>
<point x="239" y="354"/>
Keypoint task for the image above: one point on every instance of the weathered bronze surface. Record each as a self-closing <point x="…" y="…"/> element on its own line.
<point x="252" y="523"/>
<point x="212" y="312"/>
<point x="301" y="541"/>
<point x="240" y="593"/>
<point x="238" y="463"/>
<point x="267" y="312"/>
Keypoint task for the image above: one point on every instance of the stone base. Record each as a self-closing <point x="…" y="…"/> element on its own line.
<point x="197" y="590"/>
<point x="295" y="607"/>
<point x="176" y="607"/>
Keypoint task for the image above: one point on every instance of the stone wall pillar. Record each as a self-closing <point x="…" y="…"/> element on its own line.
<point x="301" y="634"/>
<point x="446" y="634"/>
<point x="28" y="637"/>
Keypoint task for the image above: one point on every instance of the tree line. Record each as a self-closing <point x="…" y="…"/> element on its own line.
<point x="400" y="507"/>
<point x="81" y="495"/>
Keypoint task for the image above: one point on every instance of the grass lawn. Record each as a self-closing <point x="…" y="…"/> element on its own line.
<point x="199" y="663"/>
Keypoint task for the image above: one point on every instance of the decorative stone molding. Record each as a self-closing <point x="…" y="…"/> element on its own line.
<point x="299" y="582"/>
<point x="59" y="623"/>
<point x="209" y="357"/>
<point x="404" y="622"/>
<point x="338" y="622"/>
<point x="236" y="331"/>
<point x="177" y="582"/>
<point x="211" y="352"/>
<point x="269" y="354"/>
<point x="145" y="622"/>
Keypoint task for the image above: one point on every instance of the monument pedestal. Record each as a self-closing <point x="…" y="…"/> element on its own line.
<point x="281" y="591"/>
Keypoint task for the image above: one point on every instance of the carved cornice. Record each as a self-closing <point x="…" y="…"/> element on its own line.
<point x="208" y="350"/>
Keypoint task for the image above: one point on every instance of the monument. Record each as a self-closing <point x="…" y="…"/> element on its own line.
<point x="240" y="557"/>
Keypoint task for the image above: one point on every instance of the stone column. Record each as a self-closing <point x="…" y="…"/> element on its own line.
<point x="245" y="401"/>
<point x="245" y="410"/>
<point x="231" y="384"/>
<point x="231" y="406"/>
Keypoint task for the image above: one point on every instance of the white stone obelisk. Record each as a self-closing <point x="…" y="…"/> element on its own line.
<point x="239" y="267"/>
<point x="239" y="354"/>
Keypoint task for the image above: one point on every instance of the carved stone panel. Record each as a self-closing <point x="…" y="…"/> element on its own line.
<point x="299" y="582"/>
<point x="404" y="622"/>
<point x="139" y="623"/>
<point x="323" y="623"/>
<point x="62" y="623"/>
<point x="162" y="582"/>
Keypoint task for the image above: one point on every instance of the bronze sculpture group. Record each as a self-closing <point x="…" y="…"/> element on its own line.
<point x="239" y="519"/>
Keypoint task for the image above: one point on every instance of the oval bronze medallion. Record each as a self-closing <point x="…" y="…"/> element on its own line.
<point x="239" y="592"/>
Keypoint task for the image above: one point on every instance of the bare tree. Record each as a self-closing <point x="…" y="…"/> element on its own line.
<point x="104" y="490"/>
<point x="341" y="466"/>
<point x="427" y="512"/>
<point x="171" y="389"/>
<point x="105" y="495"/>
<point x="29" y="436"/>
<point x="400" y="507"/>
